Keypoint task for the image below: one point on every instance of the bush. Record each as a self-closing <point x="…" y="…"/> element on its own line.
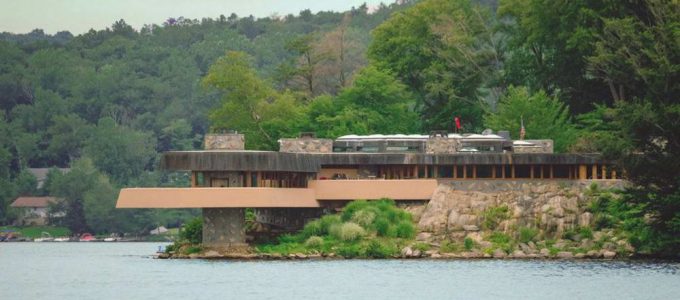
<point x="192" y="231"/>
<point x="527" y="234"/>
<point x="422" y="247"/>
<point x="349" y="251"/>
<point x="313" y="228"/>
<point x="468" y="243"/>
<point x="406" y="230"/>
<point x="378" y="249"/>
<point x="351" y="232"/>
<point x="363" y="217"/>
<point x="382" y="226"/>
<point x="328" y="221"/>
<point x="192" y="250"/>
<point x="585" y="232"/>
<point x="314" y="242"/>
<point x="449" y="247"/>
<point x="493" y="216"/>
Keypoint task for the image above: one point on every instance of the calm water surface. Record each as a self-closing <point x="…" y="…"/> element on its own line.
<point x="126" y="271"/>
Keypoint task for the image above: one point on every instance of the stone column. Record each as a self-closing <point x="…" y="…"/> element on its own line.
<point x="224" y="227"/>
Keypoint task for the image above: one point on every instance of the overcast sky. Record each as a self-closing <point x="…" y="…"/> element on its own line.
<point x="78" y="16"/>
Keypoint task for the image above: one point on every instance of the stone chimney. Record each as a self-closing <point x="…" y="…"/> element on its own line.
<point x="224" y="141"/>
<point x="306" y="143"/>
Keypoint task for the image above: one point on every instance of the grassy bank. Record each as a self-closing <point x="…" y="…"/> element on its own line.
<point x="36" y="231"/>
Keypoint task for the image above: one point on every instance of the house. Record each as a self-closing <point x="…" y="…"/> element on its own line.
<point x="35" y="210"/>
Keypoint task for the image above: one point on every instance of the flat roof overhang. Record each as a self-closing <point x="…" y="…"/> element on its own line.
<point x="236" y="197"/>
<point x="312" y="162"/>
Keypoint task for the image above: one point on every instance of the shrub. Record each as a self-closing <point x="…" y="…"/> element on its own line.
<point x="192" y="231"/>
<point x="449" y="247"/>
<point x="328" y="221"/>
<point x="468" y="243"/>
<point x="192" y="250"/>
<point x="382" y="226"/>
<point x="314" y="242"/>
<point x="585" y="232"/>
<point x="378" y="249"/>
<point x="493" y="216"/>
<point x="349" y="251"/>
<point x="351" y="232"/>
<point x="311" y="229"/>
<point x="499" y="238"/>
<point x="406" y="230"/>
<point x="527" y="234"/>
<point x="363" y="217"/>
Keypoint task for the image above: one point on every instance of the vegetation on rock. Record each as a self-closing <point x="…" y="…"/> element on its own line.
<point x="376" y="229"/>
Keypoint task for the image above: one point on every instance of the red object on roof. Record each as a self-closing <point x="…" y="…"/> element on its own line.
<point x="33" y="201"/>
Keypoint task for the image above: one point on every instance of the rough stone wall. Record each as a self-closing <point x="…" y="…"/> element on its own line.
<point x="441" y="145"/>
<point x="456" y="209"/>
<point x="224" y="227"/>
<point x="224" y="141"/>
<point x="306" y="145"/>
<point x="287" y="218"/>
<point x="545" y="146"/>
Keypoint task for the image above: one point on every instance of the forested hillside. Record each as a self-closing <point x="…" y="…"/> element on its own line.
<point x="596" y="76"/>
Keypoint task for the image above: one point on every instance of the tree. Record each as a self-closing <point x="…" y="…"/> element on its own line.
<point x="249" y="104"/>
<point x="303" y="70"/>
<point x="549" y="43"/>
<point x="444" y="51"/>
<point x="120" y="152"/>
<point x="544" y="117"/>
<point x="376" y="103"/>
<point x="640" y="53"/>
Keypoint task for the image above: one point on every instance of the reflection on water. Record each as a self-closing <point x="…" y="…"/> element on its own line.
<point x="126" y="271"/>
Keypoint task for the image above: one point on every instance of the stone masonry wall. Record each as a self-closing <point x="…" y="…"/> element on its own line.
<point x="224" y="141"/>
<point x="545" y="146"/>
<point x="224" y="227"/>
<point x="456" y="209"/>
<point x="441" y="145"/>
<point x="306" y="145"/>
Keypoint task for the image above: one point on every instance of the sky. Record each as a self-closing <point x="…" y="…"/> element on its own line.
<point x="78" y="16"/>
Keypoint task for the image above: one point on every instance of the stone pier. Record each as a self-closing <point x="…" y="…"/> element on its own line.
<point x="224" y="227"/>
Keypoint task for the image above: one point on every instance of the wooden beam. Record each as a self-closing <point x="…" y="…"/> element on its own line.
<point x="464" y="171"/>
<point x="474" y="171"/>
<point x="613" y="174"/>
<point x="604" y="172"/>
<point x="594" y="171"/>
<point x="503" y="171"/>
<point x="194" y="179"/>
<point x="552" y="172"/>
<point x="493" y="172"/>
<point x="582" y="172"/>
<point x="513" y="172"/>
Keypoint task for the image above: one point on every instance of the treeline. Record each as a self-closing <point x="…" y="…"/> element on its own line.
<point x="107" y="102"/>
<point x="595" y="76"/>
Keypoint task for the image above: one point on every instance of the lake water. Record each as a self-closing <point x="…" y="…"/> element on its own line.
<point x="127" y="271"/>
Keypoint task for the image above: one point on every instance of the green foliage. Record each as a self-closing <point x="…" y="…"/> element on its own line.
<point x="421" y="246"/>
<point x="381" y="249"/>
<point x="527" y="234"/>
<point x="445" y="52"/>
<point x="493" y="216"/>
<point x="544" y="117"/>
<point x="468" y="243"/>
<point x="406" y="230"/>
<point x="33" y="232"/>
<point x="192" y="231"/>
<point x="450" y="247"/>
<point x="350" y="232"/>
<point x="314" y="242"/>
<point x="375" y="229"/>
<point x="192" y="250"/>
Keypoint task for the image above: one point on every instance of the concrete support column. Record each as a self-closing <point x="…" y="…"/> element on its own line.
<point x="582" y="172"/>
<point x="224" y="227"/>
<point x="594" y="171"/>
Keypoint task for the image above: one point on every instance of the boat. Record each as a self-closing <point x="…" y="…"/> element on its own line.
<point x="62" y="239"/>
<point x="87" y="237"/>
<point x="44" y="237"/>
<point x="111" y="239"/>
